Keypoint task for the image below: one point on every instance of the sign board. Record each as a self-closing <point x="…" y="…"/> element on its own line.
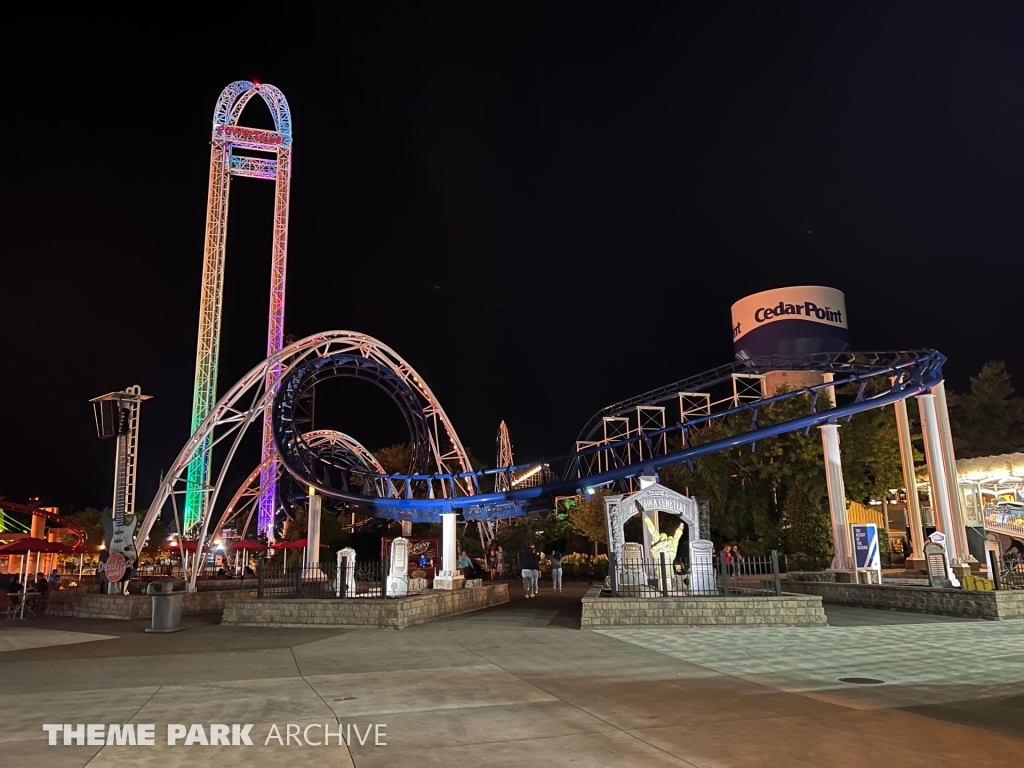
<point x="633" y="564"/>
<point x="796" y="320"/>
<point x="865" y="550"/>
<point x="398" y="576"/>
<point x="702" y="568"/>
<point x="417" y="547"/>
<point x="937" y="562"/>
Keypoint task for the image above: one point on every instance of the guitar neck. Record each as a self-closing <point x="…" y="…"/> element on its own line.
<point x="120" y="479"/>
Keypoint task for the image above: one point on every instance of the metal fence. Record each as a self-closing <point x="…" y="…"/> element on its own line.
<point x="662" y="578"/>
<point x="1009" y="572"/>
<point x="325" y="580"/>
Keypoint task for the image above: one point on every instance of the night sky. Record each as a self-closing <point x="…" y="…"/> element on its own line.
<point x="543" y="208"/>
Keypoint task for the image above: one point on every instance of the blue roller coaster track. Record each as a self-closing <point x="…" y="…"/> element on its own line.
<point x="878" y="378"/>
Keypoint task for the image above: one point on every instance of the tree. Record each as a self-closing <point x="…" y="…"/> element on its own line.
<point x="587" y="518"/>
<point x="91" y="521"/>
<point x="396" y="459"/>
<point x="331" y="532"/>
<point x="988" y="420"/>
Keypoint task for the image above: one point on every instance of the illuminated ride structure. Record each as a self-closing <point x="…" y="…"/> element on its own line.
<point x="440" y="480"/>
<point x="257" y="154"/>
<point x="33" y="511"/>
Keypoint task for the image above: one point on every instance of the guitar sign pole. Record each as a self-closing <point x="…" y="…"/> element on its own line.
<point x="117" y="416"/>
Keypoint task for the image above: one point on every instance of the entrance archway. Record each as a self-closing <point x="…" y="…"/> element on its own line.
<point x="653" y="498"/>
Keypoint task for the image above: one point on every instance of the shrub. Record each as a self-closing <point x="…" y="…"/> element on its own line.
<point x="819" y="576"/>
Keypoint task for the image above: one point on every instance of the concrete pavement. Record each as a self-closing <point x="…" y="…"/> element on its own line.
<point x="520" y="684"/>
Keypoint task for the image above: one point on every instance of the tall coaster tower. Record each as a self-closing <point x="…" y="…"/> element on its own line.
<point x="256" y="154"/>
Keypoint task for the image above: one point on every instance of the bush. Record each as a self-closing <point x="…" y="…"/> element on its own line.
<point x="817" y="576"/>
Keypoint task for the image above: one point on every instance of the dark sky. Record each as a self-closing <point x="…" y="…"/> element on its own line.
<point x="543" y="208"/>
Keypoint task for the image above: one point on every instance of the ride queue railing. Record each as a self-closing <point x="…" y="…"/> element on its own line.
<point x="758" y="575"/>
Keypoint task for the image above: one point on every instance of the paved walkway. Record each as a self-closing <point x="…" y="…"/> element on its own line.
<point x="521" y="685"/>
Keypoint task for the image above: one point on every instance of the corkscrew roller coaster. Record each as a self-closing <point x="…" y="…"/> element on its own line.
<point x="441" y="480"/>
<point x="618" y="444"/>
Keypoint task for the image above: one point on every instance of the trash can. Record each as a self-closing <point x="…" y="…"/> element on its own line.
<point x="167" y="595"/>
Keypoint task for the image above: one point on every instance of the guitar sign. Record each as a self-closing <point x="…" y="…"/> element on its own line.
<point x="121" y="554"/>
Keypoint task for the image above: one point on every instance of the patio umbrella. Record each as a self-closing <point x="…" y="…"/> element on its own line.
<point x="29" y="544"/>
<point x="246" y="545"/>
<point x="297" y="544"/>
<point x="26" y="547"/>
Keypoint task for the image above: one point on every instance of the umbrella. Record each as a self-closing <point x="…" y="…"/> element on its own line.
<point x="186" y="545"/>
<point x="27" y="546"/>
<point x="297" y="544"/>
<point x="30" y="544"/>
<point x="246" y="544"/>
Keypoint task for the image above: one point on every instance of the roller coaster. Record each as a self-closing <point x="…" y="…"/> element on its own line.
<point x="620" y="443"/>
<point x="440" y="479"/>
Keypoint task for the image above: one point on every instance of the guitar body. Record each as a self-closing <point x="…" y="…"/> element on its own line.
<point x="119" y="561"/>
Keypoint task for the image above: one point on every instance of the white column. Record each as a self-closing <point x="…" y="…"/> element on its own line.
<point x="449" y="577"/>
<point x="313" y="529"/>
<point x="830" y="392"/>
<point x="956" y="507"/>
<point x="937" y="473"/>
<point x="910" y="482"/>
<point x="448" y="544"/>
<point x="843" y="559"/>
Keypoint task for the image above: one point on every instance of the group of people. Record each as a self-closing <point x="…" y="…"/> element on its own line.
<point x="529" y="563"/>
<point x="733" y="558"/>
<point x="40" y="584"/>
<point x="496" y="562"/>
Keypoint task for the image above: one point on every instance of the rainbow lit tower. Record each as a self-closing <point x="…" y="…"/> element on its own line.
<point x="266" y="155"/>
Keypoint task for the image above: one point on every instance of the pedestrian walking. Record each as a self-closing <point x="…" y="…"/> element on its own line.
<point x="536" y="569"/>
<point x="502" y="558"/>
<point x="492" y="561"/>
<point x="528" y="565"/>
<point x="556" y="570"/>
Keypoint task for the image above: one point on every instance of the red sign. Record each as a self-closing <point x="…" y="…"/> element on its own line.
<point x="115" y="566"/>
<point x="427" y="546"/>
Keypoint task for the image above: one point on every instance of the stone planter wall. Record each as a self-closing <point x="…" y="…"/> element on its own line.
<point x="1004" y="604"/>
<point x="127" y="607"/>
<point x="787" y="610"/>
<point x="362" y="613"/>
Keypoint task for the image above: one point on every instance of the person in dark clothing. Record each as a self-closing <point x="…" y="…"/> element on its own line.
<point x="14" y="585"/>
<point x="529" y="563"/>
<point x="41" y="584"/>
